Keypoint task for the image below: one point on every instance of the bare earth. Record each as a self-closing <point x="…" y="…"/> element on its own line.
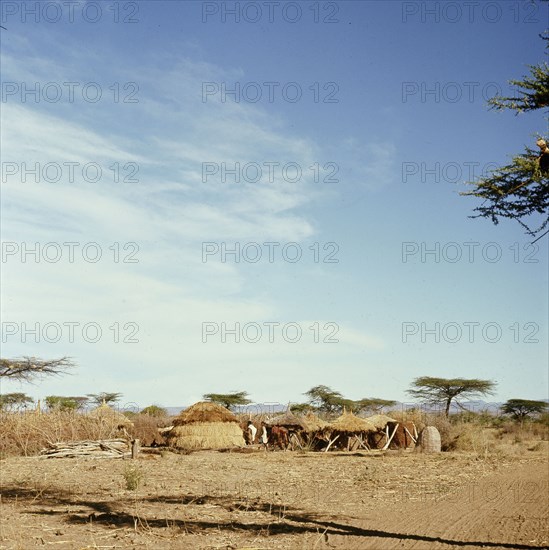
<point x="278" y="500"/>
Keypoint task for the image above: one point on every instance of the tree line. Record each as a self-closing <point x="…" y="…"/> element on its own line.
<point x="434" y="391"/>
<point x="437" y="392"/>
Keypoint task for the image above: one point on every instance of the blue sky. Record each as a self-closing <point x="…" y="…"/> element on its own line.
<point x="391" y="119"/>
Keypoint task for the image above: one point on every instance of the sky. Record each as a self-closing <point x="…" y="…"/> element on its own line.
<point x="205" y="197"/>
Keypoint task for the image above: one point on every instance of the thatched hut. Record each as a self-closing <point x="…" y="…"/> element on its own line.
<point x="302" y="430"/>
<point x="391" y="433"/>
<point x="314" y="424"/>
<point x="286" y="430"/>
<point x="287" y="420"/>
<point x="205" y="425"/>
<point x="405" y="435"/>
<point x="349" y="431"/>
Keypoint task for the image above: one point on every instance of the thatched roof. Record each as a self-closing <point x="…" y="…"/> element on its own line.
<point x="380" y="421"/>
<point x="204" y="411"/>
<point x="206" y="425"/>
<point x="314" y="423"/>
<point x="350" y="423"/>
<point x="288" y="420"/>
<point x="107" y="415"/>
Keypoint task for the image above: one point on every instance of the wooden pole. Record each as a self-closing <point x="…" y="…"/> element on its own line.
<point x="330" y="443"/>
<point x="135" y="448"/>
<point x="391" y="438"/>
<point x="411" y="436"/>
<point x="362" y="443"/>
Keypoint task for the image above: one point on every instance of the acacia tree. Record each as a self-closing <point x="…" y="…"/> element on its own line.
<point x="520" y="189"/>
<point x="27" y="369"/>
<point x="228" y="400"/>
<point x="520" y="409"/>
<point x="325" y="399"/>
<point x="373" y="404"/>
<point x="63" y="403"/>
<point x="104" y="397"/>
<point x="442" y="391"/>
<point x="301" y="408"/>
<point x="9" y="401"/>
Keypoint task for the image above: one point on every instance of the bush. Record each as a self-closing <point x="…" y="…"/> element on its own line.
<point x="154" y="410"/>
<point x="133" y="477"/>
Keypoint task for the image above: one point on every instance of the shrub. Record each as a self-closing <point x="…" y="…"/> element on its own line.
<point x="133" y="476"/>
<point x="154" y="410"/>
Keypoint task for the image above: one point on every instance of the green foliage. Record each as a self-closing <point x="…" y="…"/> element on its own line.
<point x="325" y="399"/>
<point x="516" y="191"/>
<point x="441" y="391"/>
<point x="519" y="190"/>
<point x="62" y="403"/>
<point x="154" y="410"/>
<point x="228" y="400"/>
<point x="133" y="477"/>
<point x="532" y="91"/>
<point x="104" y="397"/>
<point x="520" y="409"/>
<point x="373" y="405"/>
<point x="9" y="401"/>
<point x="300" y="408"/>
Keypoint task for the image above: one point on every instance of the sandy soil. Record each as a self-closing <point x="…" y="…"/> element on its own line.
<point x="210" y="500"/>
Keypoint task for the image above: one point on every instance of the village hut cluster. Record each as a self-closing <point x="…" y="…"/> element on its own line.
<point x="207" y="425"/>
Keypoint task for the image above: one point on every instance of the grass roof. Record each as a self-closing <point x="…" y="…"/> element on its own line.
<point x="380" y="420"/>
<point x="349" y="423"/>
<point x="204" y="411"/>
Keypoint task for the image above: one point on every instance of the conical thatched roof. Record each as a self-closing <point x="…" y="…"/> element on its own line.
<point x="106" y="414"/>
<point x="350" y="423"/>
<point x="288" y="420"/>
<point x="380" y="421"/>
<point x="205" y="411"/>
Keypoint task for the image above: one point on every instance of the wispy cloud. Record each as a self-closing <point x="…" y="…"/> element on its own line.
<point x="169" y="212"/>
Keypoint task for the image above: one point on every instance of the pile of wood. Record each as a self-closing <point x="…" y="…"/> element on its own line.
<point x="102" y="448"/>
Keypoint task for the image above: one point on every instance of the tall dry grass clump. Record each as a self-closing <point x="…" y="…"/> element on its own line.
<point x="26" y="433"/>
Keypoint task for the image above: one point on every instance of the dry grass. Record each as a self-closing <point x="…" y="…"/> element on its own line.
<point x="480" y="433"/>
<point x="24" y="434"/>
<point x="145" y="428"/>
<point x="207" y="435"/>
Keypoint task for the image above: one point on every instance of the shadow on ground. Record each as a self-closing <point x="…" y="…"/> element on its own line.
<point x="280" y="519"/>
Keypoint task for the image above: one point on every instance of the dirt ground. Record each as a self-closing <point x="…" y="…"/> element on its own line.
<point x="274" y="500"/>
